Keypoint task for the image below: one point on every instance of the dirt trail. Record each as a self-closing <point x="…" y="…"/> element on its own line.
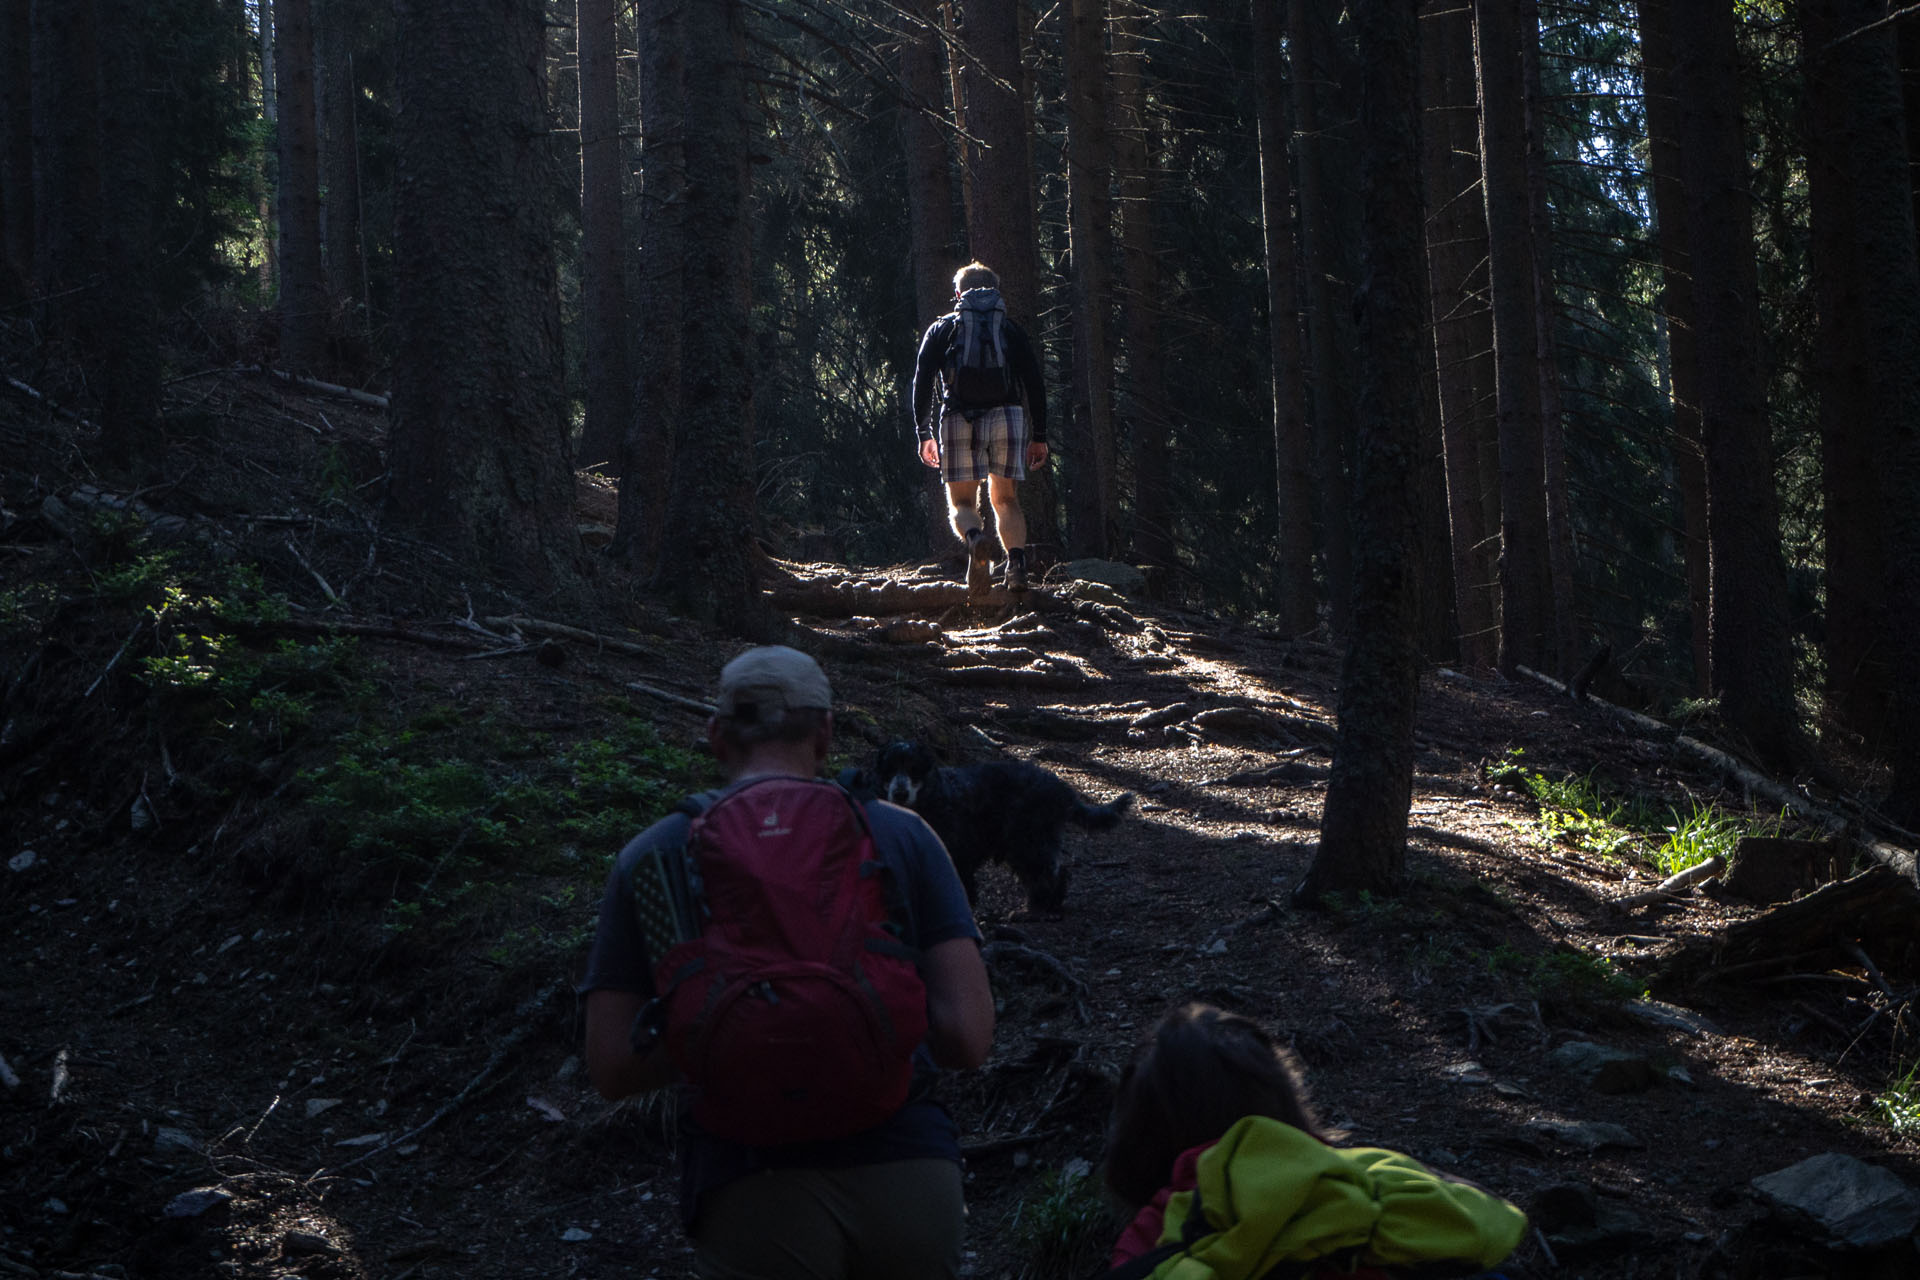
<point x="192" y="1006"/>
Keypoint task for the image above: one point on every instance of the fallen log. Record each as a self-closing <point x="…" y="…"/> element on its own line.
<point x="1877" y="910"/>
<point x="1831" y="824"/>
<point x="541" y="627"/>
<point x="1674" y="885"/>
<point x="367" y="398"/>
<point x="1014" y="678"/>
<point x="847" y="600"/>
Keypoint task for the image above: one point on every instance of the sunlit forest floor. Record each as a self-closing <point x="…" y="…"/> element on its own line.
<point x="305" y="832"/>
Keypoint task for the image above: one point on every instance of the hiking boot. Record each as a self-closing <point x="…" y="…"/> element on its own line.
<point x="1017" y="569"/>
<point x="979" y="547"/>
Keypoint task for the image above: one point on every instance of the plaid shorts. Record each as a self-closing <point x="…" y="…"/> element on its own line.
<point x="994" y="443"/>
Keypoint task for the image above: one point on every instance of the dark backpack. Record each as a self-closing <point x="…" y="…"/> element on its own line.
<point x="795" y="1010"/>
<point x="976" y="373"/>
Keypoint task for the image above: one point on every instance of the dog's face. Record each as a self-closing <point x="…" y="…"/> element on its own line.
<point x="901" y="770"/>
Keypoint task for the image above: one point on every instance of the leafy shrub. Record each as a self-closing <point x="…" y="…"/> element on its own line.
<point x="1565" y="976"/>
<point x="1063" y="1227"/>
<point x="1899" y="1106"/>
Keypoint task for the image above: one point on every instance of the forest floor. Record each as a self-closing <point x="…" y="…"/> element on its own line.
<point x="291" y="921"/>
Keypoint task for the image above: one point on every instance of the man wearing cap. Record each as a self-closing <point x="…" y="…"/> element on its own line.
<point x="883" y="1202"/>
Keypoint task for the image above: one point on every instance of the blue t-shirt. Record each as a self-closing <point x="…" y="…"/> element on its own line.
<point x="937" y="911"/>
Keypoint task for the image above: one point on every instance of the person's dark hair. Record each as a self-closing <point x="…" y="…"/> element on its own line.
<point x="975" y="275"/>
<point x="746" y="728"/>
<point x="1201" y="1069"/>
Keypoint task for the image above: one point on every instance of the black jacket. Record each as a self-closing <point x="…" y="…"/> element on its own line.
<point x="1020" y="360"/>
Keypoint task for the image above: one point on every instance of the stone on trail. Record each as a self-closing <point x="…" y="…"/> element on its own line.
<point x="1588" y="1135"/>
<point x="194" y="1203"/>
<point x="1579" y="1224"/>
<point x="1849" y="1202"/>
<point x="1124" y="578"/>
<point x="1603" y="1069"/>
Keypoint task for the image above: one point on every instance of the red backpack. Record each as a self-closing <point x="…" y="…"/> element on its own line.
<point x="795" y="1012"/>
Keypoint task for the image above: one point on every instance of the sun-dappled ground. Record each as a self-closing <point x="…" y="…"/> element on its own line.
<point x="305" y="831"/>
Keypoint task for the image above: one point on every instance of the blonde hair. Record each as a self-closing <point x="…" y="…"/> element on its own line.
<point x="975" y="275"/>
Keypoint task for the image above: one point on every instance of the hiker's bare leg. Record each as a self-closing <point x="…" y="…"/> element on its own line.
<point x="963" y="507"/>
<point x="1009" y="521"/>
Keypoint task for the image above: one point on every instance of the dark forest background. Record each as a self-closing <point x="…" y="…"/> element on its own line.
<point x="1490" y="332"/>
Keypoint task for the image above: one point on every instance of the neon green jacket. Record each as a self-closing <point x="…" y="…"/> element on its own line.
<point x="1272" y="1195"/>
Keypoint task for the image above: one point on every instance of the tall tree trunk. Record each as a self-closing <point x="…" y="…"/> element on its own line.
<point x="648" y="450"/>
<point x="1859" y="143"/>
<point x="999" y="191"/>
<point x="1752" y="669"/>
<point x="66" y="168"/>
<point x="930" y="225"/>
<point x="1524" y="578"/>
<point x="706" y="561"/>
<point x="1860" y="683"/>
<point x="478" y="456"/>
<point x="16" y="150"/>
<point x="1292" y="442"/>
<point x="1147" y="412"/>
<point x="270" y="112"/>
<point x="1092" y="491"/>
<point x="1676" y="304"/>
<point x="1363" y="830"/>
<point x="303" y="290"/>
<point x="1323" y="138"/>
<point x="1563" y="635"/>
<point x="603" y="287"/>
<point x="1909" y="47"/>
<point x="127" y="327"/>
<point x="1462" y="322"/>
<point x="338" y="117"/>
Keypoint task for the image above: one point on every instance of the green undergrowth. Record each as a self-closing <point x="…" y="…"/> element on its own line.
<point x="1581" y="812"/>
<point x="1565" y="976"/>
<point x="1063" y="1225"/>
<point x="443" y="810"/>
<point x="1898" y="1106"/>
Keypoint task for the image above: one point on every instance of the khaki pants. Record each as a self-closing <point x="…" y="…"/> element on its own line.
<point x="895" y="1221"/>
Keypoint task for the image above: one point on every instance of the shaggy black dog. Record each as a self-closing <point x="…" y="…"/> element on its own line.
<point x="1001" y="811"/>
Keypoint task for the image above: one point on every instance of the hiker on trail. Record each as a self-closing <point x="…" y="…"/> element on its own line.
<point x="986" y="368"/>
<point x="811" y="1142"/>
<point x="1213" y="1144"/>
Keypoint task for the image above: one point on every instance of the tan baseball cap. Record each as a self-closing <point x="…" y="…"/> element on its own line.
<point x="772" y="679"/>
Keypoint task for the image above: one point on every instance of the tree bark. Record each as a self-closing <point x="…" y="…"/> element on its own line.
<point x="1092" y="490"/>
<point x="1752" y="670"/>
<point x="66" y="168"/>
<point x="706" y="563"/>
<point x="1676" y="304"/>
<point x="336" y="96"/>
<point x="1859" y="684"/>
<point x="1869" y="273"/>
<point x="1525" y="586"/>
<point x="603" y="288"/>
<point x="1462" y="321"/>
<point x="930" y="225"/>
<point x="126" y="330"/>
<point x="648" y="448"/>
<point x="303" y="289"/>
<point x="16" y="150"/>
<point x="269" y="265"/>
<point x="1292" y="442"/>
<point x="1563" y="636"/>
<point x="478" y="455"/>
<point x="1147" y="412"/>
<point x="1363" y="829"/>
<point x="1322" y="138"/>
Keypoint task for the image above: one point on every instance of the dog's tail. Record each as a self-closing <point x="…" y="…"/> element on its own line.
<point x="1098" y="817"/>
